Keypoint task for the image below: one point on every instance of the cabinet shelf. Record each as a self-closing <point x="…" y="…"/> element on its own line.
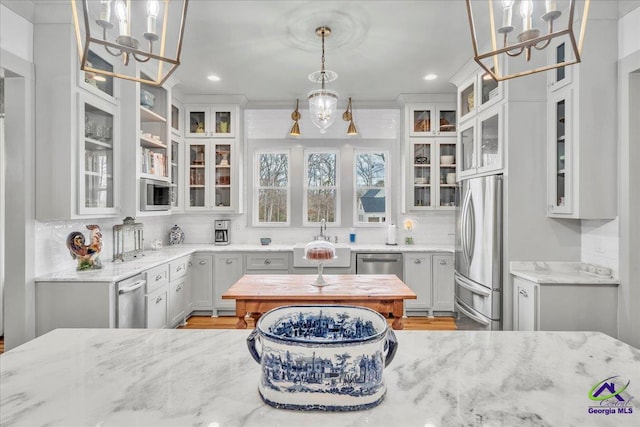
<point x="223" y="186"/>
<point x="197" y="166"/>
<point x="147" y="115"/>
<point x="100" y="144"/>
<point x="422" y="165"/>
<point x="97" y="174"/>
<point x="448" y="185"/>
<point x="151" y="143"/>
<point x="196" y="186"/>
<point x="223" y="167"/>
<point x="153" y="176"/>
<point x="451" y="165"/>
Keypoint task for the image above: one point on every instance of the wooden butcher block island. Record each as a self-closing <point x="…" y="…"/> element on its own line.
<point x="256" y="294"/>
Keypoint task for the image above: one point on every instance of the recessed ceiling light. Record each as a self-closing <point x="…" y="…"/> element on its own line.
<point x="430" y="76"/>
<point x="214" y="78"/>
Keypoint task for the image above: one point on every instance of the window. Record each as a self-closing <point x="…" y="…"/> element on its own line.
<point x="272" y="195"/>
<point x="371" y="175"/>
<point x="321" y="187"/>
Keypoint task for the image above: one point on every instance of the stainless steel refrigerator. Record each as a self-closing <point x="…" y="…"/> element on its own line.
<point x="478" y="256"/>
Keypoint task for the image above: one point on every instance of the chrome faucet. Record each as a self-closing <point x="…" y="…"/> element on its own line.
<point x="323" y="230"/>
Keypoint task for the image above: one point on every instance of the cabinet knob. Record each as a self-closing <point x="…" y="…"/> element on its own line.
<point x="190" y="264"/>
<point x="267" y="261"/>
<point x="179" y="288"/>
<point x="158" y="300"/>
<point x="443" y="262"/>
<point x="202" y="262"/>
<point x="417" y="261"/>
<point x="229" y="261"/>
<point x="523" y="293"/>
<point x="158" y="277"/>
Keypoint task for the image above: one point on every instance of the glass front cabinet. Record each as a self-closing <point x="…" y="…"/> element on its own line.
<point x="206" y="121"/>
<point x="433" y="173"/>
<point x="559" y="152"/>
<point x="432" y="120"/>
<point x="212" y="176"/>
<point x="98" y="130"/>
<point x="480" y="144"/>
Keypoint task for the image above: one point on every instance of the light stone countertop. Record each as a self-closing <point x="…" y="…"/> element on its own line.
<point x="559" y="273"/>
<point x="141" y="378"/>
<point x="115" y="271"/>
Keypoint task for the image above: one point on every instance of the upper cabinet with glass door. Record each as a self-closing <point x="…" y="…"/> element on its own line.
<point x="431" y="120"/>
<point x="558" y="78"/>
<point x="211" y="121"/>
<point x="97" y="190"/>
<point x="480" y="144"/>
<point x="97" y="84"/>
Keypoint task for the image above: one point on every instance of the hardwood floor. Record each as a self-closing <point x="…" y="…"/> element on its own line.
<point x="410" y="323"/>
<point x="1" y="344"/>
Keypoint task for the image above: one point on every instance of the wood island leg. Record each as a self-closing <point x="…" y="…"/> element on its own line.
<point x="398" y="312"/>
<point x="241" y="311"/>
<point x="255" y="317"/>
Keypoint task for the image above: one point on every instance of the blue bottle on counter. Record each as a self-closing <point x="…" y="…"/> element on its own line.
<point x="352" y="235"/>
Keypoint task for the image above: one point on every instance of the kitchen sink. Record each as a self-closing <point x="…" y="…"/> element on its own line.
<point x="343" y="254"/>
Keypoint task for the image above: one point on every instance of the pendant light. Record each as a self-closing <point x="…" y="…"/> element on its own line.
<point x="322" y="101"/>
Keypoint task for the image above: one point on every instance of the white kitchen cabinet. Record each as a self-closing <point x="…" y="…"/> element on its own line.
<point x="228" y="268"/>
<point x="177" y="308"/>
<point x="211" y="121"/>
<point x="479" y="92"/>
<point x="154" y="143"/>
<point x="565" y="307"/>
<point x="417" y="276"/>
<point x="443" y="282"/>
<point x="213" y="176"/>
<point x="437" y="119"/>
<point x="157" y="306"/>
<point x="201" y="275"/>
<point x="480" y="144"/>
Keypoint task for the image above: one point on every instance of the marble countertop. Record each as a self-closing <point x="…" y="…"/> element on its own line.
<point x="562" y="273"/>
<point x="137" y="377"/>
<point x="115" y="271"/>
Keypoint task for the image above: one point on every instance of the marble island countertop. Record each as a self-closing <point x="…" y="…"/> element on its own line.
<point x="563" y="273"/>
<point x="112" y="377"/>
<point x="115" y="271"/>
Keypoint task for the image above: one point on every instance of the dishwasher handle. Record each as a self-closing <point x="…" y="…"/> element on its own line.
<point x="379" y="260"/>
<point x="128" y="289"/>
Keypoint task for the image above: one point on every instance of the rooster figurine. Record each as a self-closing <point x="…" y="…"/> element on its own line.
<point x="87" y="255"/>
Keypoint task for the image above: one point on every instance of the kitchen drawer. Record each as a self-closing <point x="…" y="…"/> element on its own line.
<point x="272" y="261"/>
<point x="178" y="268"/>
<point x="157" y="276"/>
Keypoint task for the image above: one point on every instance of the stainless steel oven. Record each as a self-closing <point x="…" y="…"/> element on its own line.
<point x="155" y="195"/>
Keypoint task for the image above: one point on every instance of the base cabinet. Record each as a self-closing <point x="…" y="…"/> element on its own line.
<point x="443" y="282"/>
<point x="565" y="307"/>
<point x="177" y="302"/>
<point x="157" y="303"/>
<point x="229" y="267"/>
<point x="417" y="275"/>
<point x="202" y="282"/>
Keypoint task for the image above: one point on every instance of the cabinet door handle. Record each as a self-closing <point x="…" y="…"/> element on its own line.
<point x="524" y="293"/>
<point x="158" y="300"/>
<point x="179" y="268"/>
<point x="443" y="262"/>
<point x="190" y="264"/>
<point x="158" y="277"/>
<point x="267" y="261"/>
<point x="179" y="288"/>
<point x="229" y="261"/>
<point x="202" y="262"/>
<point x="417" y="261"/>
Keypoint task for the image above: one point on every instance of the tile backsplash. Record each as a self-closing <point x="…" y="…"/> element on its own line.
<point x="600" y="243"/>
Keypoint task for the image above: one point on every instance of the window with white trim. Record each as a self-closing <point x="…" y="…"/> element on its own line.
<point x="371" y="176"/>
<point x="272" y="195"/>
<point x="321" y="187"/>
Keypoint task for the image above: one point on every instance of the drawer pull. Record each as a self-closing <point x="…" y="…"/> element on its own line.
<point x="158" y="277"/>
<point x="202" y="262"/>
<point x="443" y="262"/>
<point x="524" y="293"/>
<point x="267" y="261"/>
<point x="179" y="288"/>
<point x="179" y="268"/>
<point x="158" y="300"/>
<point x="229" y="261"/>
<point x="417" y="261"/>
<point x="190" y="264"/>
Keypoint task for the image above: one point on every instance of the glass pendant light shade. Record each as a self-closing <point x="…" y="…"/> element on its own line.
<point x="323" y="104"/>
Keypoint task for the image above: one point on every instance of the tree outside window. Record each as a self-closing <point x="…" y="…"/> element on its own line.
<point x="321" y="187"/>
<point x="370" y="176"/>
<point x="273" y="187"/>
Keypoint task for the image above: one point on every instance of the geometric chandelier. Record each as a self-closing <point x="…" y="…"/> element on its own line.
<point x="135" y="31"/>
<point x="511" y="42"/>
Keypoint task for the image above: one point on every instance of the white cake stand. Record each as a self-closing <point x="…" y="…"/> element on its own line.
<point x="320" y="282"/>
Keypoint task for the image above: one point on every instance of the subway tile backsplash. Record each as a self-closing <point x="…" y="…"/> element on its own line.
<point x="600" y="243"/>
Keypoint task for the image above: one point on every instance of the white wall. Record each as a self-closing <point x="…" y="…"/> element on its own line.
<point x="16" y="34"/>
<point x="600" y="243"/>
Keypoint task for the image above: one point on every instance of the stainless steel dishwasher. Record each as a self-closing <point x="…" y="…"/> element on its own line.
<point x="131" y="302"/>
<point x="374" y="263"/>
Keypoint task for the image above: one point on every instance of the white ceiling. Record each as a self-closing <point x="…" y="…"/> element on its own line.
<point x="265" y="50"/>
